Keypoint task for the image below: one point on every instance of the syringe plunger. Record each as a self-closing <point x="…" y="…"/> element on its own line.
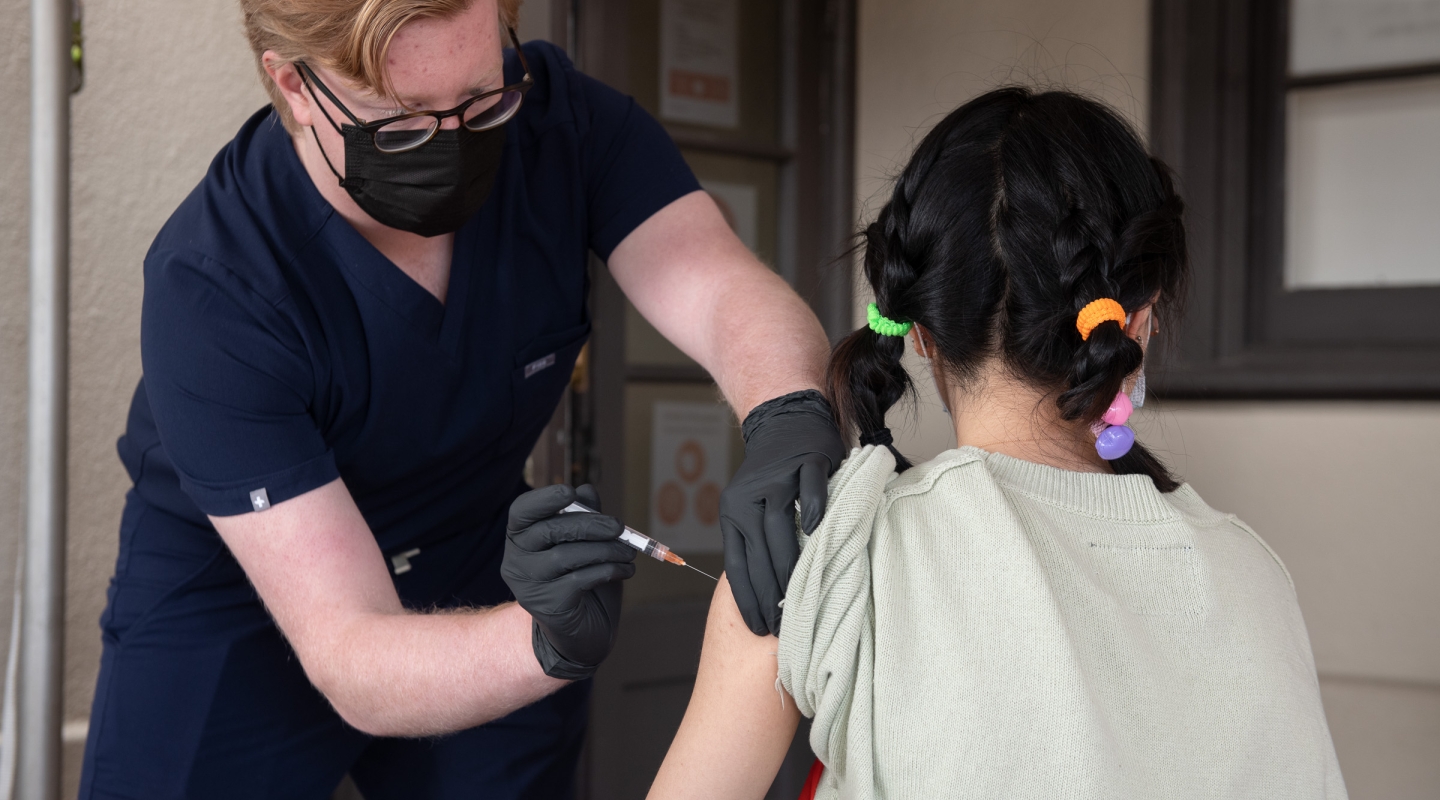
<point x="635" y="539"/>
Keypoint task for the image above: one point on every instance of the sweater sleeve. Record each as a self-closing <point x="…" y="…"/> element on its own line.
<point x="826" y="655"/>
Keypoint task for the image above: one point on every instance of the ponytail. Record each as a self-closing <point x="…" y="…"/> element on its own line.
<point x="864" y="380"/>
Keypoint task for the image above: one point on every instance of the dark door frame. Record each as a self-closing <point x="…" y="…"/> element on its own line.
<point x="816" y="225"/>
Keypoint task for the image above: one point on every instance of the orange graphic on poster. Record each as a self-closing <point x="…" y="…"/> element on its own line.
<point x="670" y="502"/>
<point x="690" y="461"/>
<point x="686" y="83"/>
<point x="707" y="503"/>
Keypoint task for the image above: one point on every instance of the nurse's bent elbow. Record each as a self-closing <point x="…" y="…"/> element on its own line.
<point x="353" y="668"/>
<point x="368" y="722"/>
<point x="360" y="706"/>
<point x="334" y="668"/>
<point x="355" y="717"/>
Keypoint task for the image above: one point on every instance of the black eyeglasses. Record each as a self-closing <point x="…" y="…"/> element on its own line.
<point x="404" y="132"/>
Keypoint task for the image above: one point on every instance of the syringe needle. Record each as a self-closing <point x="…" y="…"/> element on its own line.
<point x="703" y="572"/>
<point x="671" y="557"/>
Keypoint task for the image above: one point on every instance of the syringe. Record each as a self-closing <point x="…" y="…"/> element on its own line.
<point x="641" y="542"/>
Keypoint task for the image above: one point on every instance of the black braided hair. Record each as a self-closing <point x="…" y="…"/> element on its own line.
<point x="1015" y="211"/>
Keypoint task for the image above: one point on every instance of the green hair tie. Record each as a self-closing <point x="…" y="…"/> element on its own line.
<point x="884" y="325"/>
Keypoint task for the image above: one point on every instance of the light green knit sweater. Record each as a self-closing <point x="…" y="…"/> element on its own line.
<point x="986" y="627"/>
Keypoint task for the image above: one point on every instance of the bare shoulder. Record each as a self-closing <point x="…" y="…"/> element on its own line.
<point x="729" y="640"/>
<point x="736" y="729"/>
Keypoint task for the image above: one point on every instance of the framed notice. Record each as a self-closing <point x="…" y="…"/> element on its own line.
<point x="699" y="62"/>
<point x="689" y="464"/>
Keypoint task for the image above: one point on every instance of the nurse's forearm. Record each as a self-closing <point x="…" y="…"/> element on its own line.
<point x="414" y="674"/>
<point x="386" y="670"/>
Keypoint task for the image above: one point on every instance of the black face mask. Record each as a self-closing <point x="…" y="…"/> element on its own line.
<point x="430" y="190"/>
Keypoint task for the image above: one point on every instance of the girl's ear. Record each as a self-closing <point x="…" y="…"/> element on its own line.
<point x="1138" y="327"/>
<point x="1141" y="325"/>
<point x="924" y="343"/>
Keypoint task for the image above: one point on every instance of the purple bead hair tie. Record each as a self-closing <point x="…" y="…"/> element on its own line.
<point x="1113" y="438"/>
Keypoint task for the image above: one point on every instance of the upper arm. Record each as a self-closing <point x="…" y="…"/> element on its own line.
<point x="681" y="265"/>
<point x="231" y="388"/>
<point x="316" y="565"/>
<point x="664" y="239"/>
<point x="661" y="235"/>
<point x="631" y="167"/>
<point x="739" y="723"/>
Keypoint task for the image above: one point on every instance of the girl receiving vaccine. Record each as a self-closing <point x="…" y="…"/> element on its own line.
<point x="1044" y="611"/>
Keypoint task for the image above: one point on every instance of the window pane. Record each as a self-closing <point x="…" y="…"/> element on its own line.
<point x="1362" y="195"/>
<point x="1347" y="35"/>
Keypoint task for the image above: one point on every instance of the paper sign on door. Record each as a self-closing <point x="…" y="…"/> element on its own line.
<point x="699" y="62"/>
<point x="689" y="465"/>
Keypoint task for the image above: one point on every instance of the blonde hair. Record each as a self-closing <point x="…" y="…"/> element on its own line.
<point x="348" y="37"/>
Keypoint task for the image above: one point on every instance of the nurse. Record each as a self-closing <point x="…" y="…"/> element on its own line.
<point x="353" y="330"/>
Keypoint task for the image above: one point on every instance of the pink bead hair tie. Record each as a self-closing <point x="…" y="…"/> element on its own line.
<point x="1113" y="438"/>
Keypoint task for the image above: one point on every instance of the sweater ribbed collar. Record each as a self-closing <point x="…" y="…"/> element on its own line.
<point x="1123" y="498"/>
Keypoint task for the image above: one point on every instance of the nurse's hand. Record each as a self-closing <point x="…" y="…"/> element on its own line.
<point x="792" y="447"/>
<point x="566" y="570"/>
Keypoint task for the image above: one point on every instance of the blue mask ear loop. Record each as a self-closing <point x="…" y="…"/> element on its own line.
<point x="1137" y="393"/>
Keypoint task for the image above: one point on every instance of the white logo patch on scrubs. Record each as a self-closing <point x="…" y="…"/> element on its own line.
<point x="539" y="364"/>
<point x="259" y="500"/>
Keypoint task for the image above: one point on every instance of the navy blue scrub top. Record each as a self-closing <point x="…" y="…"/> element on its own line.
<point x="282" y="351"/>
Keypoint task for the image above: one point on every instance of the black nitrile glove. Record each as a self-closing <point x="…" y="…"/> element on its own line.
<point x="566" y="570"/>
<point x="791" y="448"/>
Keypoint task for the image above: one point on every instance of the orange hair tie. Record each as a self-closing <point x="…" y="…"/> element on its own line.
<point x="1096" y="312"/>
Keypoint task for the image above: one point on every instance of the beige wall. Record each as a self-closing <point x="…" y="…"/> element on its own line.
<point x="1342" y="490"/>
<point x="918" y="59"/>
<point x="167" y="83"/>
<point x="14" y="301"/>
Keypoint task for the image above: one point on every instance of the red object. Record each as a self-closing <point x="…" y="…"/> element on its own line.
<point x="812" y="783"/>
